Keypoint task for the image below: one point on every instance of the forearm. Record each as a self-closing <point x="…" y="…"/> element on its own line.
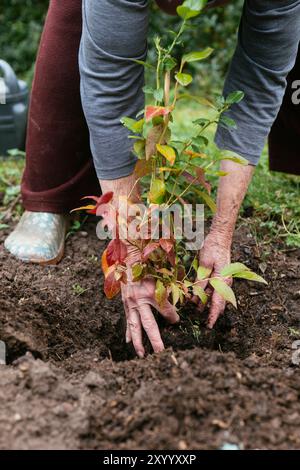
<point x="231" y="192"/>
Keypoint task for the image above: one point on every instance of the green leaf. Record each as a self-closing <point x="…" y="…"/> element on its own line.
<point x="139" y="148"/>
<point x="207" y="199"/>
<point x="157" y="191"/>
<point x="137" y="270"/>
<point x="197" y="290"/>
<point x="235" y="97"/>
<point x="223" y="290"/>
<point x="175" y="293"/>
<point x="227" y="155"/>
<point x="148" y="90"/>
<point x="160" y="292"/>
<point x="184" y="78"/>
<point x="3" y="226"/>
<point x="227" y="122"/>
<point x="198" y="99"/>
<point x="203" y="272"/>
<point x="168" y="152"/>
<point x="133" y="125"/>
<point x="196" y="56"/>
<point x="200" y="140"/>
<point x="201" y="122"/>
<point x="145" y="64"/>
<point x="232" y="269"/>
<point x="158" y="94"/>
<point x="191" y="8"/>
<point x="195" y="263"/>
<point x="250" y="276"/>
<point x="170" y="63"/>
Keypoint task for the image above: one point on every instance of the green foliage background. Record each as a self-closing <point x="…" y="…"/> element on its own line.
<point x="21" y="24"/>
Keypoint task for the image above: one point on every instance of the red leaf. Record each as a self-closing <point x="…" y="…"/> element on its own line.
<point x="172" y="257"/>
<point x="166" y="245"/>
<point x="112" y="286"/>
<point x="152" y="246"/>
<point x="106" y="198"/>
<point x="201" y="179"/>
<point x="154" y="111"/>
<point x="103" y="199"/>
<point x="116" y="252"/>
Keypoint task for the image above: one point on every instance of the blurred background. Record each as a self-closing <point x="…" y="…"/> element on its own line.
<point x="272" y="204"/>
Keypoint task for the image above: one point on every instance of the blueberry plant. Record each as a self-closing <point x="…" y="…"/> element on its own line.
<point x="170" y="172"/>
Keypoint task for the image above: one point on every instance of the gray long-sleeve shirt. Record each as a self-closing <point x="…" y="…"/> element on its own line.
<point x="115" y="31"/>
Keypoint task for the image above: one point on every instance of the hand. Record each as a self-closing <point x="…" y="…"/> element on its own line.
<point x="138" y="297"/>
<point x="215" y="254"/>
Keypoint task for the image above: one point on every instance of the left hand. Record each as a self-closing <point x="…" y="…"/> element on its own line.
<point x="215" y="254"/>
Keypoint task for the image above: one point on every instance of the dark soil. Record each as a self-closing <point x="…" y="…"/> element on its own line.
<point x="72" y="383"/>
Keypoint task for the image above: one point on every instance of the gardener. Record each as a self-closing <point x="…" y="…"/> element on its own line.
<point x="114" y="31"/>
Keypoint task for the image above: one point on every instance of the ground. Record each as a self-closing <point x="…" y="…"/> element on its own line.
<point x="72" y="383"/>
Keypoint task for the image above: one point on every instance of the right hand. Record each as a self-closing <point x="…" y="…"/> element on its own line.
<point x="138" y="297"/>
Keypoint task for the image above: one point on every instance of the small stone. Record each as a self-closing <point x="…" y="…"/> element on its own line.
<point x="17" y="417"/>
<point x="182" y="445"/>
<point x="93" y="380"/>
<point x="83" y="234"/>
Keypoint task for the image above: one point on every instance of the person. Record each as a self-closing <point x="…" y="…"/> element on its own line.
<point x="59" y="168"/>
<point x="114" y="32"/>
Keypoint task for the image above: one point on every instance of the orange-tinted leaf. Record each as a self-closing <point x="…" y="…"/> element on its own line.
<point x="112" y="286"/>
<point x="193" y="154"/>
<point x="104" y="263"/>
<point x="168" y="152"/>
<point x="142" y="168"/>
<point x="155" y="111"/>
<point x="85" y="208"/>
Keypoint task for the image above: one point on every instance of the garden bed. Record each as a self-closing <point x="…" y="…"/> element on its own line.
<point x="71" y="381"/>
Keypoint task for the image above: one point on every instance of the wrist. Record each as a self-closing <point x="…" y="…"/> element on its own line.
<point x="222" y="231"/>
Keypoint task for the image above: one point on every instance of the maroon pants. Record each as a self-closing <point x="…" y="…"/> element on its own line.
<point x="59" y="168"/>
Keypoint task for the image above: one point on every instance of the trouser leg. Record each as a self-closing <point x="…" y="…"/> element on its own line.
<point x="59" y="168"/>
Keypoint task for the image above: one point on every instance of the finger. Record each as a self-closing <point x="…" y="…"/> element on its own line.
<point x="134" y="323"/>
<point x="151" y="328"/>
<point x="169" y="312"/>
<point x="216" y="309"/>
<point x="128" y="333"/>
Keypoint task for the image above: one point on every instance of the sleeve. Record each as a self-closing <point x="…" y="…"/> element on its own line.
<point x="114" y="33"/>
<point x="268" y="41"/>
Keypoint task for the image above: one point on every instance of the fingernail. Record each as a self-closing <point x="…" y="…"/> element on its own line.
<point x="140" y="354"/>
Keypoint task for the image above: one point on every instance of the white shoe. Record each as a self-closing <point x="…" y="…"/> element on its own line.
<point x="39" y="237"/>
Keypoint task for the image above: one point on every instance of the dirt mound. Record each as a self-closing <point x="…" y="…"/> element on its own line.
<point x="79" y="385"/>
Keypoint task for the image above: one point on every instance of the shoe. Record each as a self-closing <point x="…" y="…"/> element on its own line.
<point x="39" y="238"/>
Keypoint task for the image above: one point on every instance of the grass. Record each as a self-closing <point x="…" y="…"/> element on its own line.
<point x="272" y="199"/>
